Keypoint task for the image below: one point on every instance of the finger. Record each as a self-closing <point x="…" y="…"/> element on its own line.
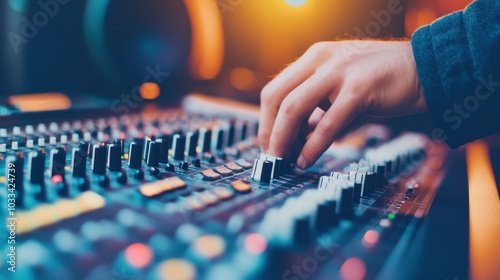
<point x="342" y="112"/>
<point x="296" y="107"/>
<point x="273" y="93"/>
<point x="315" y="117"/>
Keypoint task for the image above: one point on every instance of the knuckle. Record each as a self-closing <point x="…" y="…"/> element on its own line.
<point x="323" y="128"/>
<point x="289" y="108"/>
<point x="266" y="94"/>
<point x="319" y="48"/>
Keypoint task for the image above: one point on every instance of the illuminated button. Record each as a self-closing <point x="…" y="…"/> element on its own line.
<point x="176" y="269"/>
<point x="234" y="167"/>
<point x="224" y="171"/>
<point x="223" y="193"/>
<point x="353" y="268"/>
<point x="385" y="223"/>
<point x="241" y="186"/>
<point x="162" y="186"/>
<point x="370" y="238"/>
<point x="194" y="203"/>
<point x="46" y="215"/>
<point x="209" y="198"/>
<point x="209" y="246"/>
<point x="210" y="175"/>
<point x="243" y="163"/>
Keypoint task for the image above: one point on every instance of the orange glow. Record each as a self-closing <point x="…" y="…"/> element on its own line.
<point x="207" y="49"/>
<point x="138" y="255"/>
<point x="484" y="213"/>
<point x="370" y="238"/>
<point x="40" y="102"/>
<point x="176" y="269"/>
<point x="149" y="91"/>
<point x="255" y="243"/>
<point x="210" y="246"/>
<point x="353" y="269"/>
<point x="243" y="79"/>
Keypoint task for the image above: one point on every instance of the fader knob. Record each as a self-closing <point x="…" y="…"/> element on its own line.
<point x="192" y="143"/>
<point x="179" y="146"/>
<point x="57" y="161"/>
<point x="99" y="159"/>
<point x="79" y="162"/>
<point x="135" y="155"/>
<point x="114" y="161"/>
<point x="153" y="158"/>
<point x="36" y="167"/>
<point x="205" y="140"/>
<point x="164" y="146"/>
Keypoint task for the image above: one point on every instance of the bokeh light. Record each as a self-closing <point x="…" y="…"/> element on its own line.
<point x="243" y="79"/>
<point x="255" y="243"/>
<point x="149" y="91"/>
<point x="353" y="269"/>
<point x="138" y="255"/>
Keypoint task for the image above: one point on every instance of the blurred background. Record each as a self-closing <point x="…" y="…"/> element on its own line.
<point x="163" y="49"/>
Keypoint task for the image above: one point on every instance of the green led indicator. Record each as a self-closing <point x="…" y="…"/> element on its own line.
<point x="391" y="216"/>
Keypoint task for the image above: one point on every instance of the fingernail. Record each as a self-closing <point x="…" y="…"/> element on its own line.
<point x="301" y="162"/>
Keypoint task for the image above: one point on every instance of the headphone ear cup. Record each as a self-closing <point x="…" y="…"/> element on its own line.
<point x="133" y="42"/>
<point x="207" y="48"/>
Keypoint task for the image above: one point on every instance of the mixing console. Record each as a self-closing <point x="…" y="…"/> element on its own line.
<point x="171" y="195"/>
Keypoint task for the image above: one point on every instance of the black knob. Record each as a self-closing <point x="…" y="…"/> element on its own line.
<point x="85" y="148"/>
<point x="170" y="167"/>
<point x="278" y="166"/>
<point x="230" y="134"/>
<point x="154" y="171"/>
<point x="57" y="161"/>
<point x="184" y="165"/>
<point x="205" y="139"/>
<point x="267" y="168"/>
<point x="145" y="150"/>
<point x="114" y="158"/>
<point x="105" y="182"/>
<point x="140" y="175"/>
<point x="62" y="189"/>
<point x="323" y="217"/>
<point x="219" y="141"/>
<point x="211" y="159"/>
<point x="197" y="162"/>
<point x="192" y="143"/>
<point x="356" y="194"/>
<point x="164" y="147"/>
<point x="120" y="143"/>
<point x="153" y="158"/>
<point x="135" y="155"/>
<point x="369" y="184"/>
<point x="123" y="179"/>
<point x="36" y="166"/>
<point x="179" y="146"/>
<point x="85" y="185"/>
<point x="300" y="231"/>
<point x="99" y="159"/>
<point x="380" y="176"/>
<point x="346" y="210"/>
<point x="79" y="162"/>
<point x="243" y="135"/>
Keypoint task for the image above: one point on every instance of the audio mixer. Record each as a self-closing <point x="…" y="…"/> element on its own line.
<point x="167" y="194"/>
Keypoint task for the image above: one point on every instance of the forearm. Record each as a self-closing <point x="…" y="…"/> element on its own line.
<point x="458" y="65"/>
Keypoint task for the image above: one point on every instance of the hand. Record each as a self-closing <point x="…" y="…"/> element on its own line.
<point x="352" y="78"/>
